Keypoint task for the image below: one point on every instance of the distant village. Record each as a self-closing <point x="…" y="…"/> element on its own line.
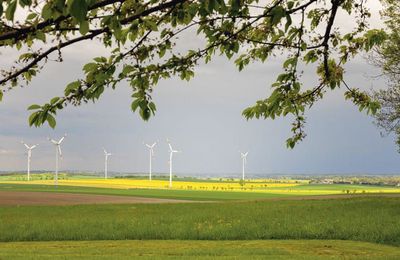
<point x="363" y="180"/>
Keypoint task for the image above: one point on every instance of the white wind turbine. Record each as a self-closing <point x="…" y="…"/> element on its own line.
<point x="244" y="161"/>
<point x="151" y="155"/>
<point x="105" y="162"/>
<point x="58" y="154"/>
<point x="29" y="148"/>
<point x="171" y="152"/>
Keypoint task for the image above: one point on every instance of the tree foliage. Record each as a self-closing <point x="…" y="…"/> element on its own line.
<point x="144" y="47"/>
<point x="387" y="57"/>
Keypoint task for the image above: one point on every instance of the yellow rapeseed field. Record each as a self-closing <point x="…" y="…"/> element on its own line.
<point x="163" y="184"/>
<point x="289" y="188"/>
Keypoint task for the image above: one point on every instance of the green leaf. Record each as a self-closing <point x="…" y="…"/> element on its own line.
<point x="135" y="104"/>
<point x="24" y="3"/>
<point x="84" y="27"/>
<point x="290" y="4"/>
<point x="54" y="100"/>
<point x="11" y="10"/>
<point x="89" y="67"/>
<point x="47" y="13"/>
<point x="41" y="36"/>
<point x="1" y="95"/>
<point x="71" y="87"/>
<point x="288" y="22"/>
<point x="33" y="118"/>
<point x="33" y="107"/>
<point x="77" y="9"/>
<point x="277" y="13"/>
<point x="60" y="4"/>
<point x="1" y="8"/>
<point x="151" y="25"/>
<point x="31" y="16"/>
<point x="211" y="5"/>
<point x="152" y="107"/>
<point x="51" y="121"/>
<point x="100" y="59"/>
<point x="290" y="62"/>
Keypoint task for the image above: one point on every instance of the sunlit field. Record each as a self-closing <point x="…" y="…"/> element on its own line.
<point x="281" y="187"/>
<point x="200" y="249"/>
<point x="256" y="219"/>
<point x="372" y="219"/>
<point x="162" y="184"/>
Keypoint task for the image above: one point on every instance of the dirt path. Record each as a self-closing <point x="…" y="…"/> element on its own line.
<point x="49" y="198"/>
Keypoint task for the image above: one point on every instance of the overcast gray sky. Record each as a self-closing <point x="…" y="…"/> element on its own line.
<point x="202" y="118"/>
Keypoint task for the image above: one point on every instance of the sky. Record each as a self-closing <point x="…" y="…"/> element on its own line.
<point x="202" y="118"/>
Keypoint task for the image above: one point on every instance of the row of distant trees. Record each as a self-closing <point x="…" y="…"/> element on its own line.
<point x="363" y="180"/>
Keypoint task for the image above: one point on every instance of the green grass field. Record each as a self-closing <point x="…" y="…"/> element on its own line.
<point x="236" y="225"/>
<point x="360" y="219"/>
<point x="171" y="249"/>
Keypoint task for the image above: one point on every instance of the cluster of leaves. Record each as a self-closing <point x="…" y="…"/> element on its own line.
<point x="142" y="37"/>
<point x="387" y="57"/>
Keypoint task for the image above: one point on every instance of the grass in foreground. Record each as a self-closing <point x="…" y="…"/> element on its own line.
<point x="361" y="219"/>
<point x="167" y="249"/>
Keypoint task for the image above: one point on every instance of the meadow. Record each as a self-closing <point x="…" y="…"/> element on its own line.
<point x="370" y="219"/>
<point x="189" y="249"/>
<point x="260" y="219"/>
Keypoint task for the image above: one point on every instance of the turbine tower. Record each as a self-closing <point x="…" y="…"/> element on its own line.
<point x="105" y="162"/>
<point x="171" y="152"/>
<point x="244" y="161"/>
<point x="151" y="155"/>
<point x="58" y="154"/>
<point x="29" y="148"/>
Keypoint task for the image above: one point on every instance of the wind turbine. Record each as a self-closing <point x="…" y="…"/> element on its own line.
<point x="29" y="148"/>
<point x="151" y="154"/>
<point x="171" y="152"/>
<point x="58" y="154"/>
<point x="244" y="161"/>
<point x="105" y="162"/>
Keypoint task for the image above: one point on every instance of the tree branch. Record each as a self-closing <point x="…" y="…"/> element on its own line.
<point x="91" y="35"/>
<point x="22" y="32"/>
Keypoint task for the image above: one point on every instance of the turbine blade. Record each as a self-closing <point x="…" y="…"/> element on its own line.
<point x="61" y="140"/>
<point x="59" y="151"/>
